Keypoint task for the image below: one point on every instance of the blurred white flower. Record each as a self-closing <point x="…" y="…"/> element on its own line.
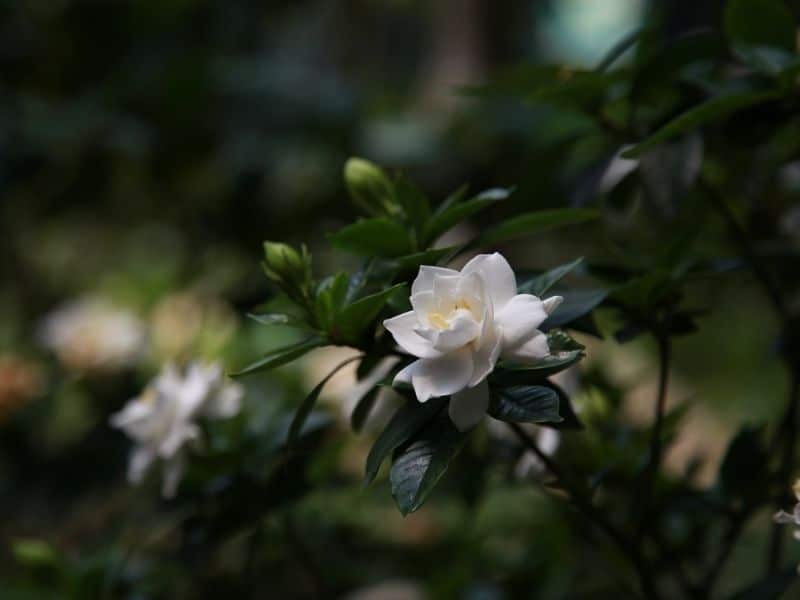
<point x="91" y="334"/>
<point x="162" y="420"/>
<point x="461" y="323"/>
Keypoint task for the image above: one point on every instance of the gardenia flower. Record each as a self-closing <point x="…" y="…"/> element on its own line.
<point x="460" y="325"/>
<point x="91" y="334"/>
<point x="162" y="420"/>
<point x="784" y="517"/>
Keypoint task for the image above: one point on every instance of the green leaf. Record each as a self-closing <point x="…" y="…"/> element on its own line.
<point x="278" y="319"/>
<point x="308" y="403"/>
<point x="525" y="404"/>
<point x="444" y="220"/>
<point x="356" y="317"/>
<point x="418" y="466"/>
<point x="576" y="304"/>
<point x="760" y="22"/>
<point x="362" y="409"/>
<point x="405" y="423"/>
<point x="428" y="257"/>
<point x="710" y="111"/>
<point x="767" y="60"/>
<point x="373" y="237"/>
<point x="536" y="222"/>
<point x="34" y="552"/>
<point x="456" y="196"/>
<point x="281" y="356"/>
<point x="414" y="203"/>
<point x="331" y="296"/>
<point x="540" y="284"/>
<point x="743" y="470"/>
<point x="620" y="48"/>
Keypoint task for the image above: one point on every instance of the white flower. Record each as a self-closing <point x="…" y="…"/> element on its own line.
<point x="92" y="334"/>
<point x="784" y="517"/>
<point x="460" y="325"/>
<point x="162" y="420"/>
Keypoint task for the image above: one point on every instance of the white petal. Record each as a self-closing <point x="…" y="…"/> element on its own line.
<point x="534" y="348"/>
<point x="172" y="475"/>
<point x="497" y="275"/>
<point x="469" y="406"/>
<point x="485" y="357"/>
<point x="180" y="434"/>
<point x="463" y="328"/>
<point x="520" y="318"/>
<point x="445" y="291"/>
<point x="226" y="403"/>
<point x="434" y="377"/>
<point x="552" y="303"/>
<point x="423" y="303"/>
<point x="782" y="517"/>
<point x="402" y="329"/>
<point x="424" y="280"/>
<point x="140" y="460"/>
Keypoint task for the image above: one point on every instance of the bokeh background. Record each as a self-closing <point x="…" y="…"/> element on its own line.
<point x="148" y="147"/>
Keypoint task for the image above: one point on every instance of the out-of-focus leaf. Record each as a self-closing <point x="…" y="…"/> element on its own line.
<point x="569" y="418"/>
<point x="307" y="405"/>
<point x="414" y="203"/>
<point x="536" y="222"/>
<point x="418" y="466"/>
<point x="771" y="587"/>
<point x="373" y="237"/>
<point x="744" y="467"/>
<point x="281" y="356"/>
<point x="760" y="22"/>
<point x="525" y="404"/>
<point x="331" y="296"/>
<point x="34" y="552"/>
<point x="620" y="48"/>
<point x="456" y="196"/>
<point x="428" y="257"/>
<point x="540" y="284"/>
<point x="443" y="220"/>
<point x="278" y="319"/>
<point x="356" y="317"/>
<point x="406" y="422"/>
<point x="576" y="304"/>
<point x="710" y="111"/>
<point x="765" y="59"/>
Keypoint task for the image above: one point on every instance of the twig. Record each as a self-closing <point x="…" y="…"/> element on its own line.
<point x="593" y="515"/>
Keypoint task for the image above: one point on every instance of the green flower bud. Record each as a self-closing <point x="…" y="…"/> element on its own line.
<point x="370" y="189"/>
<point x="289" y="268"/>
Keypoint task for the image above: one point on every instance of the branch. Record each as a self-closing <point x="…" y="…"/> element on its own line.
<point x="593" y="515"/>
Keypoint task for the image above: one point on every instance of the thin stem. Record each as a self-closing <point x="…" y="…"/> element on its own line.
<point x="788" y="429"/>
<point x="593" y="515"/>
<point x="656" y="443"/>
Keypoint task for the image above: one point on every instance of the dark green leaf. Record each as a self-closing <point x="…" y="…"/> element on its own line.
<point x="525" y="404"/>
<point x="567" y="413"/>
<point x="281" y="356"/>
<point x="560" y="341"/>
<point x="744" y="467"/>
<point x="356" y="317"/>
<point x="361" y="411"/>
<point x="373" y="237"/>
<point x="536" y="222"/>
<point x="767" y="60"/>
<point x="419" y="466"/>
<point x="540" y="284"/>
<point x="576" y="304"/>
<point x="428" y="257"/>
<point x="620" y="48"/>
<point x="308" y="403"/>
<point x="456" y="196"/>
<point x="538" y="370"/>
<point x="331" y="296"/>
<point x="457" y="212"/>
<point x="414" y="203"/>
<point x="406" y="422"/>
<point x="760" y="22"/>
<point x="707" y="112"/>
<point x="771" y="587"/>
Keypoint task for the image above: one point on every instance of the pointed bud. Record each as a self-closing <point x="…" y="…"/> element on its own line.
<point x="370" y="189"/>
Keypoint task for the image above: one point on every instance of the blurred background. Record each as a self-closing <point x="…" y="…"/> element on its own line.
<point x="148" y="147"/>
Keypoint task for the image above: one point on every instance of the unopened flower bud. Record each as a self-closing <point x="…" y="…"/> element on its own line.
<point x="370" y="189"/>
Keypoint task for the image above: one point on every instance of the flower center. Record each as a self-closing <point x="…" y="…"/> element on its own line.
<point x="441" y="320"/>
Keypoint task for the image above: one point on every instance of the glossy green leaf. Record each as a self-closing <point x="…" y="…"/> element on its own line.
<point x="415" y="204"/>
<point x="356" y="317"/>
<point x="282" y="356"/>
<point x="442" y="221"/>
<point x="525" y="404"/>
<point x="405" y="423"/>
<point x="760" y="22"/>
<point x="307" y="405"/>
<point x="373" y="237"/>
<point x="576" y="304"/>
<point x="708" y="112"/>
<point x="330" y="298"/>
<point x="418" y="466"/>
<point x="428" y="257"/>
<point x="541" y="284"/>
<point x="536" y="222"/>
